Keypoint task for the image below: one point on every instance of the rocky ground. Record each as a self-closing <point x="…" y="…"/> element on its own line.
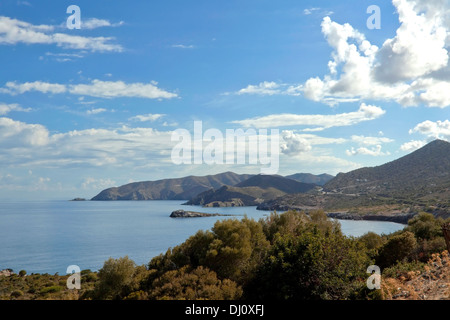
<point x="431" y="284"/>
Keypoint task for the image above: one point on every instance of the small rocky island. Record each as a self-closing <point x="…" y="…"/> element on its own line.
<point x="193" y="214"/>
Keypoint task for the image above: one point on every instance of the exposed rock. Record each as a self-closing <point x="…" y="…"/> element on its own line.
<point x="193" y="214"/>
<point x="6" y="272"/>
<point x="430" y="284"/>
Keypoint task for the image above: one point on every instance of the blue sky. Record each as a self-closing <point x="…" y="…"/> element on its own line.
<point x="86" y="109"/>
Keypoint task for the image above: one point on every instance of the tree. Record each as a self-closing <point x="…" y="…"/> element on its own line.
<point x="425" y="226"/>
<point x="198" y="284"/>
<point x="233" y="249"/>
<point x="398" y="248"/>
<point x="314" y="264"/>
<point x="118" y="278"/>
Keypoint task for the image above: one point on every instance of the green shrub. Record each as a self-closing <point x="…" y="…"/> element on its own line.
<point x="425" y="226"/>
<point x="198" y="284"/>
<point x="16" y="294"/>
<point x="118" y="278"/>
<point x="402" y="268"/>
<point x="51" y="289"/>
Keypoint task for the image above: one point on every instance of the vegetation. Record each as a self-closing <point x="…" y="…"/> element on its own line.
<point x="287" y="256"/>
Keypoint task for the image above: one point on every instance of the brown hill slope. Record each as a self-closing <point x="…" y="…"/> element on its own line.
<point x="418" y="181"/>
<point x="170" y="189"/>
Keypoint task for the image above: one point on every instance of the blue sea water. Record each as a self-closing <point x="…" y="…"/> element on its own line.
<point x="48" y="236"/>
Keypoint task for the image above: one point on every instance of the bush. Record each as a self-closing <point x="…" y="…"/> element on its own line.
<point x="402" y="269"/>
<point x="51" y="289"/>
<point x="198" y="284"/>
<point x="398" y="248"/>
<point x="312" y="265"/>
<point x="16" y="294"/>
<point x="118" y="278"/>
<point x="425" y="226"/>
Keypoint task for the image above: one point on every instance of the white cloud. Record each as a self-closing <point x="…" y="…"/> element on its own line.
<point x="374" y="151"/>
<point x="183" y="46"/>
<point x="16" y="134"/>
<point x="292" y="144"/>
<point x="114" y="89"/>
<point x="310" y="11"/>
<point x="13" y="31"/>
<point x="93" y="23"/>
<point x="14" y="88"/>
<point x="413" y="145"/>
<point x="147" y="117"/>
<point x="96" y="111"/>
<point x="7" y="108"/>
<point x="433" y="130"/>
<point x="97" y="88"/>
<point x="264" y="88"/>
<point x="270" y="88"/>
<point x="419" y="45"/>
<point x="97" y="184"/>
<point x="364" y="113"/>
<point x="370" y="141"/>
<point x="411" y="68"/>
<point x="63" y="57"/>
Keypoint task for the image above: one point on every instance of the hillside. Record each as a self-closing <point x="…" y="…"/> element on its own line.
<point x="320" y="179"/>
<point x="170" y="189"/>
<point x="251" y="192"/>
<point x="278" y="182"/>
<point x="423" y="174"/>
<point x="419" y="181"/>
<point x="188" y="187"/>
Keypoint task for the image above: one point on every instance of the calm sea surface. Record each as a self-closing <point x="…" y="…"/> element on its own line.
<point x="48" y="236"/>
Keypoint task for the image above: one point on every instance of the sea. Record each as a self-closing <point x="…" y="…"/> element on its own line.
<point x="49" y="236"/>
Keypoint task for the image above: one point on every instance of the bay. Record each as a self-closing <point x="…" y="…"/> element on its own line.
<point x="48" y="236"/>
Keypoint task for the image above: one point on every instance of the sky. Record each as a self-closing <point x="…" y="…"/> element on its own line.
<point x="85" y="109"/>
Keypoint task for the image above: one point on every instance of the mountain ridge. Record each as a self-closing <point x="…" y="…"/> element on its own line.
<point x="251" y="192"/>
<point x="418" y="181"/>
<point x="184" y="188"/>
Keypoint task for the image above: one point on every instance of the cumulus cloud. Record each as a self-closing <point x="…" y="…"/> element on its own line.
<point x="413" y="145"/>
<point x="320" y="121"/>
<point x="7" y="108"/>
<point x="374" y="151"/>
<point x="433" y="130"/>
<point x="97" y="88"/>
<point x="409" y="68"/>
<point x="293" y="144"/>
<point x="29" y="145"/>
<point x="16" y="134"/>
<point x="13" y="31"/>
